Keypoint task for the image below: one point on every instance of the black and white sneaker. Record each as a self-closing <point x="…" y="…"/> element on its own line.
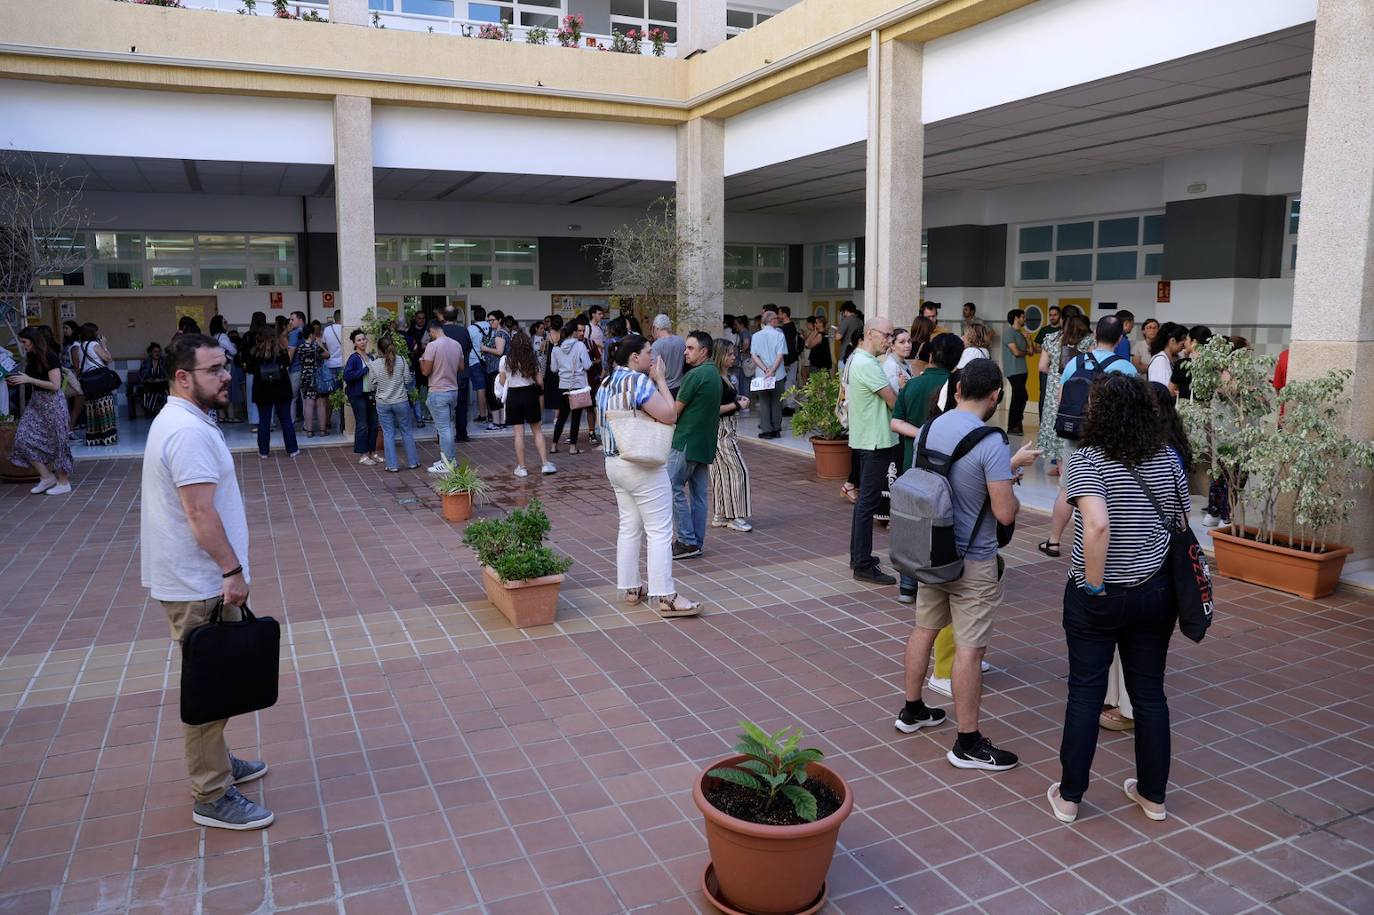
<point x="982" y="755"/>
<point x="909" y="722"/>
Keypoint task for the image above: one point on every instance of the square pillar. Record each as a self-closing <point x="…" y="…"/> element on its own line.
<point x="348" y="12"/>
<point x="895" y="172"/>
<point x="353" y="207"/>
<point x="700" y="25"/>
<point x="701" y="221"/>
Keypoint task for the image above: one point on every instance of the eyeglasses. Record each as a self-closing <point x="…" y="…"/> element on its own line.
<point x="214" y="369"/>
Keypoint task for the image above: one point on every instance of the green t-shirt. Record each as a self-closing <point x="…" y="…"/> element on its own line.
<point x="870" y="418"/>
<point x="1045" y="330"/>
<point x="1013" y="364"/>
<point x="913" y="404"/>
<point x="695" y="435"/>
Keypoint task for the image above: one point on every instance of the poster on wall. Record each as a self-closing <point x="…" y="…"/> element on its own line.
<point x="33" y="312"/>
<point x="276" y="300"/>
<point x="68" y="309"/>
<point x="194" y="312"/>
<point x="568" y="306"/>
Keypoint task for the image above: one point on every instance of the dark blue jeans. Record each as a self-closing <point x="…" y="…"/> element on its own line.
<point x="365" y="423"/>
<point x="460" y="409"/>
<point x="288" y="427"/>
<point x="1137" y="621"/>
<point x="872" y="478"/>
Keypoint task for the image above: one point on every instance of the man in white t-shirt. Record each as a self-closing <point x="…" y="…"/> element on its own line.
<point x="193" y="540"/>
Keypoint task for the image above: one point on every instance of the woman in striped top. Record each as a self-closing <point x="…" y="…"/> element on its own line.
<point x="643" y="494"/>
<point x="1118" y="595"/>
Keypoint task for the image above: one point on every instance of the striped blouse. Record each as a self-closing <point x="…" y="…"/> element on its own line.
<point x="390" y="386"/>
<point x="626" y="389"/>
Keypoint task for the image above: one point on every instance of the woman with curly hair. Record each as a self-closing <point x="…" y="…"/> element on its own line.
<point x="1118" y="594"/>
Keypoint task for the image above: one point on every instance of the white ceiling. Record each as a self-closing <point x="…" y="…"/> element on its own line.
<point x="1253" y="92"/>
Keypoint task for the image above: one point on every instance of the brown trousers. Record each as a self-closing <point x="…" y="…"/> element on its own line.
<point x="207" y="752"/>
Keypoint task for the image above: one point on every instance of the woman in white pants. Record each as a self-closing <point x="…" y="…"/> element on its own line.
<point x="643" y="494"/>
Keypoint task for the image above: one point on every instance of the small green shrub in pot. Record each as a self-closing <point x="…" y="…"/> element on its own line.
<point x="815" y="414"/>
<point x="459" y="478"/>
<point x="775" y="767"/>
<point x="513" y="547"/>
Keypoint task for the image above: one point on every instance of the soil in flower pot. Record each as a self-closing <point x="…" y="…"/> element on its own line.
<point x="750" y="806"/>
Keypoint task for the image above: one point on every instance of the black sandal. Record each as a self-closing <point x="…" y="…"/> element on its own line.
<point x="1049" y="548"/>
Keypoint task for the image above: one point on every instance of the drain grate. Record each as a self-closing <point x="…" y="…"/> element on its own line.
<point x="410" y="500"/>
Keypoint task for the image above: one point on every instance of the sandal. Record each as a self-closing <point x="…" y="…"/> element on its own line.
<point x="1129" y="787"/>
<point x="850" y="492"/>
<point x="553" y="447"/>
<point x="1112" y="720"/>
<point x="634" y="596"/>
<point x="573" y="449"/>
<point x="1049" y="548"/>
<point x="1054" y="797"/>
<point x="674" y="605"/>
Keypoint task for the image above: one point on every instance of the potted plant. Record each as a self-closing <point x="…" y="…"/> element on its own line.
<point x="815" y="416"/>
<point x="11" y="473"/>
<point x="1288" y="453"/>
<point x="521" y="575"/>
<point x="569" y="34"/>
<point x="773" y="814"/>
<point x="659" y="39"/>
<point x="457" y="486"/>
<point x="537" y="35"/>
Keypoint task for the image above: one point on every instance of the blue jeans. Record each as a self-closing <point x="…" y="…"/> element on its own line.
<point x="397" y="417"/>
<point x="364" y="424"/>
<point x="691" y="497"/>
<point x="440" y="405"/>
<point x="288" y="428"/>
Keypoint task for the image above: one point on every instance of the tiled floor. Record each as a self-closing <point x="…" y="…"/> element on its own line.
<point x="425" y="757"/>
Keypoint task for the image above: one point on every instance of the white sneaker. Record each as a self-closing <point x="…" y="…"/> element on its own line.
<point x="436" y="467"/>
<point x="718" y="521"/>
<point x="1210" y="520"/>
<point x="366" y="460"/>
<point x="44" y="485"/>
<point x="548" y="468"/>
<point x="60" y="490"/>
<point x="986" y="667"/>
<point x="520" y="471"/>
<point x="941" y="685"/>
<point x="739" y="524"/>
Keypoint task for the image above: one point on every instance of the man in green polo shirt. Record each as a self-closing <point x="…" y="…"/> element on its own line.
<point x="694" y="445"/>
<point x="870" y="397"/>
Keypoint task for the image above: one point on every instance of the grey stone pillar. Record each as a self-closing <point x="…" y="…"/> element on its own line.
<point x="349" y="12"/>
<point x="701" y="218"/>
<point x="1333" y="297"/>
<point x="700" y="25"/>
<point x="896" y="149"/>
<point x="353" y="213"/>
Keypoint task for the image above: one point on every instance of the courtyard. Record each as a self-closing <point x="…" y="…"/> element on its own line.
<point x="427" y="757"/>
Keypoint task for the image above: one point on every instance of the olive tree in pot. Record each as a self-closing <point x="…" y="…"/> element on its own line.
<point x="457" y="486"/>
<point x="521" y="575"/>
<point x="773" y="815"/>
<point x="816" y="417"/>
<point x="1290" y="468"/>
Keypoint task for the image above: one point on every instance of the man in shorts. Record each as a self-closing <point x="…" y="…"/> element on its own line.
<point x="981" y="482"/>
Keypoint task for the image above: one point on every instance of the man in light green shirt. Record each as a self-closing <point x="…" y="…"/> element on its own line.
<point x="870" y="398"/>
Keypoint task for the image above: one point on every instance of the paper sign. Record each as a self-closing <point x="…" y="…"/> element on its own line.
<point x="1162" y="290"/>
<point x="766" y="383"/>
<point x="68" y="311"/>
<point x="275" y="299"/>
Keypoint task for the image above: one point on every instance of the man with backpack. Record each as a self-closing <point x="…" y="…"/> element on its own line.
<point x="962" y="587"/>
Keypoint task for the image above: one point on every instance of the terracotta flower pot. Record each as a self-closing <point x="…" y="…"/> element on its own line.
<point x="832" y="458"/>
<point x="771" y="870"/>
<point x="532" y="602"/>
<point x="1306" y="574"/>
<point x="12" y="473"/>
<point x="457" y="506"/>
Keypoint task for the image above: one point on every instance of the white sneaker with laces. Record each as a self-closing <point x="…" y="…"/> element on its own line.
<point x="44" y="485"/>
<point x="1210" y="520"/>
<point x="941" y="685"/>
<point x="718" y="521"/>
<point x="548" y="468"/>
<point x="520" y="471"/>
<point x="739" y="524"/>
<point x="986" y="667"/>
<point x="436" y="467"/>
<point x="59" y="490"/>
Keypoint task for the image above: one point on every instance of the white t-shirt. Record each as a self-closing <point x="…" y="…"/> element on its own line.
<point x="333" y="341"/>
<point x="185" y="447"/>
<point x="514" y="380"/>
<point x="1161" y="369"/>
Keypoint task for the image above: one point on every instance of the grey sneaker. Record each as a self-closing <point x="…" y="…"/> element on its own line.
<point x="247" y="770"/>
<point x="232" y="811"/>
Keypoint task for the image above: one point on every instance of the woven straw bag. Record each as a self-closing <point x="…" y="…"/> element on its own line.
<point x="640" y="439"/>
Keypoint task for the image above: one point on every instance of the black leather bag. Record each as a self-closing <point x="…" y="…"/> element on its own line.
<point x="1189" y="575"/>
<point x="97" y="381"/>
<point x="229" y="668"/>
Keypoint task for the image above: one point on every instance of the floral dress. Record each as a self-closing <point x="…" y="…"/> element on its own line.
<point x="1046" y="438"/>
<point x="310" y="361"/>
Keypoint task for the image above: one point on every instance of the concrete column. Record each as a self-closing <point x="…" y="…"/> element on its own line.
<point x="700" y="25"/>
<point x="349" y="12"/>
<point x="701" y="218"/>
<point x="1333" y="297"/>
<point x="896" y="169"/>
<point x="353" y="213"/>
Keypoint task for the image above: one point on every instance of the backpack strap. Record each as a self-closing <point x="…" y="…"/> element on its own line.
<point x="967" y="444"/>
<point x="1101" y="366"/>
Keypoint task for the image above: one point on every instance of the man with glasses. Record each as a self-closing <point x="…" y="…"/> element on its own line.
<point x="194" y="543"/>
<point x="870" y="397"/>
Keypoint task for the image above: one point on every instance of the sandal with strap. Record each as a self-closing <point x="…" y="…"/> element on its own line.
<point x="674" y="605"/>
<point x="850" y="492"/>
<point x="633" y="596"/>
<point x="1049" y="548"/>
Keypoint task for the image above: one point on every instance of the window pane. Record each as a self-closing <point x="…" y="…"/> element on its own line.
<point x="428" y="7"/>
<point x="221" y="277"/>
<point x="171" y="276"/>
<point x="1154" y="264"/>
<point x="739" y="19"/>
<point x="1118" y="233"/>
<point x="1074" y="236"/>
<point x="770" y="280"/>
<point x="220" y="244"/>
<point x="386" y="277"/>
<point x="1293" y="258"/>
<point x="1293" y="213"/>
<point x="421" y="249"/>
<point x="737" y="278"/>
<point x="273" y="276"/>
<point x="516" y="276"/>
<point x="738" y="255"/>
<point x="76" y="278"/>
<point x="1073" y="268"/>
<point x="1035" y="270"/>
<point x="670" y="31"/>
<point x="543" y="20"/>
<point x="469" y="249"/>
<point x="632" y="8"/>
<point x="272" y="247"/>
<point x="110" y="245"/>
<point x="485" y="12"/>
<point x="555" y="4"/>
<point x="1154" y="230"/>
<point x="471" y="277"/>
<point x="432" y="277"/>
<point x="663" y="10"/>
<point x="128" y="275"/>
<point x="770" y="257"/>
<point x="516" y="251"/>
<point x="1036" y="239"/>
<point x="1116" y="265"/>
<point x="171" y="246"/>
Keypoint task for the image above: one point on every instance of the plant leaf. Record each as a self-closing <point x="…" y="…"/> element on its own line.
<point x="750" y="747"/>
<point x="754" y="765"/>
<point x="758" y="734"/>
<point x="803" y="802"/>
<point x="735" y="776"/>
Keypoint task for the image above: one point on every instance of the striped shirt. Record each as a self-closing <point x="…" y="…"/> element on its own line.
<point x="626" y="389"/>
<point x="1138" y="541"/>
<point x="391" y="387"/>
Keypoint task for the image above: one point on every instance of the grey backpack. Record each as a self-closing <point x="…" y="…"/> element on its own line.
<point x="922" y="527"/>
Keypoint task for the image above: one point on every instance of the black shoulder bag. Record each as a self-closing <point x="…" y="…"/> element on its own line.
<point x="1190" y="577"/>
<point x="229" y="668"/>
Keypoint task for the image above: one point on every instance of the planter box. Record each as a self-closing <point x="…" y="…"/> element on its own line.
<point x="1309" y="575"/>
<point x="832" y="458"/>
<point x="12" y="473"/>
<point x="532" y="602"/>
<point x="457" y="506"/>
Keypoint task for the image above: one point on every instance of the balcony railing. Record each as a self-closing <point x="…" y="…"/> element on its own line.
<point x="415" y="22"/>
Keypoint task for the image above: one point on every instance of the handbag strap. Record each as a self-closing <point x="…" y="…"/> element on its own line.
<point x="248" y="616"/>
<point x="1170" y="525"/>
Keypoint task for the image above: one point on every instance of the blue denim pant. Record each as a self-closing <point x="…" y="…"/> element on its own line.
<point x="396" y="417"/>
<point x="440" y="405"/>
<point x="288" y="428"/>
<point x="691" y="497"/>
<point x="364" y="423"/>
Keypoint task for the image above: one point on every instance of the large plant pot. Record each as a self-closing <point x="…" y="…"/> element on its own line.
<point x="12" y="473"/>
<point x="532" y="602"/>
<point x="1309" y="575"/>
<point x="832" y="458"/>
<point x="457" y="506"/>
<point x="771" y="870"/>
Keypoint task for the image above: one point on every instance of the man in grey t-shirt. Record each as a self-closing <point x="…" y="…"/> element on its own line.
<point x="984" y="476"/>
<point x="672" y="349"/>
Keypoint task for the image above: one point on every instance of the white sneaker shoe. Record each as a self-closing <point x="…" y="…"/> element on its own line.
<point x="718" y="521"/>
<point x="1210" y="520"/>
<point x="940" y="685"/>
<point x="60" y="490"/>
<point x="986" y="667"/>
<point x="436" y="467"/>
<point x="548" y="468"/>
<point x="44" y="485"/>
<point x="739" y="524"/>
<point x="520" y="471"/>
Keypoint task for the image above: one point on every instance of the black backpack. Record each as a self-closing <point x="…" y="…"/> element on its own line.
<point x="270" y="371"/>
<point x="1073" y="396"/>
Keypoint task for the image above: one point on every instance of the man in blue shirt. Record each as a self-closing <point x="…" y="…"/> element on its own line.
<point x="1109" y="335"/>
<point x="294" y="335"/>
<point x="1123" y="346"/>
<point x="768" y="348"/>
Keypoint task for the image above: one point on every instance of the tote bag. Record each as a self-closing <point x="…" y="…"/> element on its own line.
<point x="1190" y="577"/>
<point x="98" y="381"/>
<point x="639" y="438"/>
<point x="229" y="668"/>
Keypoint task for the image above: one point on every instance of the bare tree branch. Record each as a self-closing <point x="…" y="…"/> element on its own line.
<point x="646" y="260"/>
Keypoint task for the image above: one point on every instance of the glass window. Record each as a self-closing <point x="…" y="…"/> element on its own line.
<point x="171" y="276"/>
<point x="386" y="277"/>
<point x="1116" y="265"/>
<point x="272" y="247"/>
<point x="75" y="278"/>
<point x="1035" y="270"/>
<point x="516" y="251"/>
<point x="471" y="276"/>
<point x="739" y="255"/>
<point x="1294" y="210"/>
<point x="737" y="278"/>
<point x="429" y="7"/>
<point x="1154" y="264"/>
<point x="1293" y="258"/>
<point x="476" y="250"/>
<point x="663" y="10"/>
<point x="552" y="4"/>
<point x="272" y="276"/>
<point x="112" y="245"/>
<point x="1073" y="236"/>
<point x="671" y="32"/>
<point x="739" y="19"/>
<point x="220" y="277"/>
<point x="432" y="277"/>
<point x="1073" y="268"/>
<point x="388" y="249"/>
<point x="166" y="247"/>
<point x="1154" y="230"/>
<point x="543" y="20"/>
<point x="770" y="280"/>
<point x="770" y="257"/>
<point x="515" y="276"/>
<point x="1118" y="233"/>
<point x="210" y="245"/>
<point x="127" y="275"/>
<point x="1036" y="239"/>
<point x="632" y="8"/>
<point x="383" y="5"/>
<point x="486" y="12"/>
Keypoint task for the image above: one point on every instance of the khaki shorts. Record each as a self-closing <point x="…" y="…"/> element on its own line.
<point x="967" y="604"/>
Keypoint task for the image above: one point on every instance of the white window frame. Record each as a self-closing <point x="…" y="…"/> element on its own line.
<point x="141" y="267"/>
<point x="493" y="266"/>
<point x="755" y="269"/>
<point x="1141" y="250"/>
<point x="623" y="24"/>
<point x="846" y="260"/>
<point x="1288" y="269"/>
